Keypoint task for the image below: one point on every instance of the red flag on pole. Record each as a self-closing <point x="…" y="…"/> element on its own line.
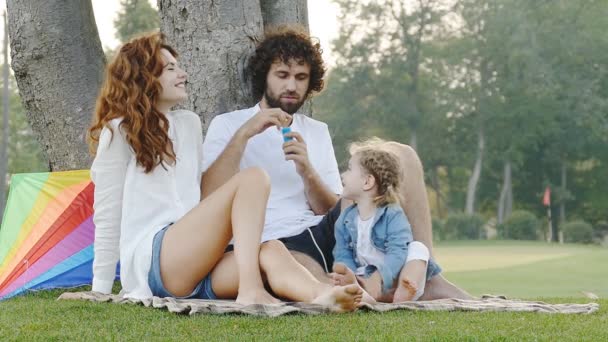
<point x="547" y="197"/>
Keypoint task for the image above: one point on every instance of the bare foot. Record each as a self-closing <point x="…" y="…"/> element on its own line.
<point x="340" y="298"/>
<point x="406" y="291"/>
<point x="256" y="296"/>
<point x="346" y="277"/>
<point x="343" y="275"/>
<point x="438" y="287"/>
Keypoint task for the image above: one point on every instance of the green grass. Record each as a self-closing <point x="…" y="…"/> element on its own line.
<point x="38" y="316"/>
<point x="520" y="269"/>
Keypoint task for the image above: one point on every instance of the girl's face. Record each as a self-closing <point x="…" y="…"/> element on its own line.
<point x="355" y="179"/>
<point x="172" y="81"/>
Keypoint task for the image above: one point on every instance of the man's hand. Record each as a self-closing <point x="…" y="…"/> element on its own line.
<point x="264" y="119"/>
<point x="296" y="150"/>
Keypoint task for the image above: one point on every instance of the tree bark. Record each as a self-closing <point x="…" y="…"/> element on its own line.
<point x="474" y="179"/>
<point x="278" y="12"/>
<point x="414" y="140"/>
<point x="58" y="63"/>
<point x="214" y="40"/>
<point x="506" y="197"/>
<point x="562" y="205"/>
<point x="5" y="122"/>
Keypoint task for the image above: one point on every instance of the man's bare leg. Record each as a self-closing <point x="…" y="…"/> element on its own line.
<point x="312" y="266"/>
<point x="438" y="287"/>
<point x="414" y="201"/>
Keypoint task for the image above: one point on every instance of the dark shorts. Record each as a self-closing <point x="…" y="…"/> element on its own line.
<point x="317" y="241"/>
<point x="202" y="291"/>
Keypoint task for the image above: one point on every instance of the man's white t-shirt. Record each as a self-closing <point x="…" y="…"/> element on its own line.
<point x="288" y="212"/>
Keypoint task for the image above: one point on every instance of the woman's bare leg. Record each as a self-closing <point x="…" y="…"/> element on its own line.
<point x="415" y="203"/>
<point x="193" y="246"/>
<point x="289" y="279"/>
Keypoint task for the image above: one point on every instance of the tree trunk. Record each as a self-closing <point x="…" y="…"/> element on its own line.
<point x="509" y="187"/>
<point x="562" y="205"/>
<point x="505" y="200"/>
<point x="474" y="179"/>
<point x="277" y="12"/>
<point x="5" y="123"/>
<point x="505" y="205"/>
<point x="58" y="62"/>
<point x="414" y="140"/>
<point x="214" y="40"/>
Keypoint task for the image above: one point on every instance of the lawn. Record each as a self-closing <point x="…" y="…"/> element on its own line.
<point x="554" y="274"/>
<point x="520" y="269"/>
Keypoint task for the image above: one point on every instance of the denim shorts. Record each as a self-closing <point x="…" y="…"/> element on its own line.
<point x="202" y="291"/>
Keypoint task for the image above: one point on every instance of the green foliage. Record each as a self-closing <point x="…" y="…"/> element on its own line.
<point x="502" y="68"/>
<point x="460" y="226"/>
<point x="24" y="152"/>
<point x="600" y="229"/>
<point x="521" y="225"/>
<point x="578" y="231"/>
<point x="135" y="17"/>
<point x="439" y="233"/>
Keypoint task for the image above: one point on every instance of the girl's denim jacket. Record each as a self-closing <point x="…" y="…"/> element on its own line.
<point x="391" y="234"/>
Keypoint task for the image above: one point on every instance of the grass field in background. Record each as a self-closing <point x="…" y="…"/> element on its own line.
<point x="522" y="269"/>
<point x="554" y="274"/>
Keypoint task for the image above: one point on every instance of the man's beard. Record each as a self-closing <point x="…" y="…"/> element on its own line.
<point x="275" y="102"/>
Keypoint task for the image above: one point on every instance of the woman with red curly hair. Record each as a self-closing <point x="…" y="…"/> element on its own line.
<point x="147" y="175"/>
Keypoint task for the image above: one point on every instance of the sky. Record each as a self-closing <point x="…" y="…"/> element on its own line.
<point x="322" y="16"/>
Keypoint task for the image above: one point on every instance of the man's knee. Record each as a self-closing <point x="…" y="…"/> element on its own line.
<point x="405" y="153"/>
<point x="271" y="251"/>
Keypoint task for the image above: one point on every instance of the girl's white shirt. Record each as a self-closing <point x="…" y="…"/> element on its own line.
<point x="366" y="253"/>
<point x="131" y="206"/>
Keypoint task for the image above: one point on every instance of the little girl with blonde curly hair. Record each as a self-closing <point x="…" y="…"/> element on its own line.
<point x="374" y="241"/>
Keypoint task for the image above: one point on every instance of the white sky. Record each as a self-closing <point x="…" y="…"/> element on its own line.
<point x="322" y="16"/>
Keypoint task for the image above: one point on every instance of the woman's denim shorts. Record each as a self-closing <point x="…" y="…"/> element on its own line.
<point x="202" y="291"/>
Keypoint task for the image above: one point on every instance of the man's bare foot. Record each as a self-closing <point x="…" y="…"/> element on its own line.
<point x="340" y="298"/>
<point x="256" y="296"/>
<point x="438" y="288"/>
<point x="406" y="291"/>
<point x="345" y="276"/>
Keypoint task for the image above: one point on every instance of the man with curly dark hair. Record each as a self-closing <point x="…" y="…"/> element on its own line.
<point x="285" y="70"/>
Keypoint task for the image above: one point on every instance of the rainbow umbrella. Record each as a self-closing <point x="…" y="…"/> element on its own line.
<point x="46" y="238"/>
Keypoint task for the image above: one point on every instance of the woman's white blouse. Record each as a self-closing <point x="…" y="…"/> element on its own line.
<point x="132" y="206"/>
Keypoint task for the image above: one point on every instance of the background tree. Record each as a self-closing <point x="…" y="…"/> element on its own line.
<point x="135" y="17"/>
<point x="5" y="122"/>
<point x="58" y="63"/>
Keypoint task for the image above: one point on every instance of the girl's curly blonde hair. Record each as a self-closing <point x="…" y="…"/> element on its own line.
<point x="383" y="165"/>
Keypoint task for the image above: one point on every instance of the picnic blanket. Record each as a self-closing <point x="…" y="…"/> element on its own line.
<point x="200" y="306"/>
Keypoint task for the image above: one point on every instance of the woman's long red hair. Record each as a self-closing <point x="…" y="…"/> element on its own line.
<point x="130" y="91"/>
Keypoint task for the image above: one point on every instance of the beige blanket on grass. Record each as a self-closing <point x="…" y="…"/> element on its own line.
<point x="200" y="306"/>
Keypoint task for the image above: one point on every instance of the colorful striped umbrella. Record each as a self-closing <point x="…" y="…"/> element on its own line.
<point x="46" y="238"/>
